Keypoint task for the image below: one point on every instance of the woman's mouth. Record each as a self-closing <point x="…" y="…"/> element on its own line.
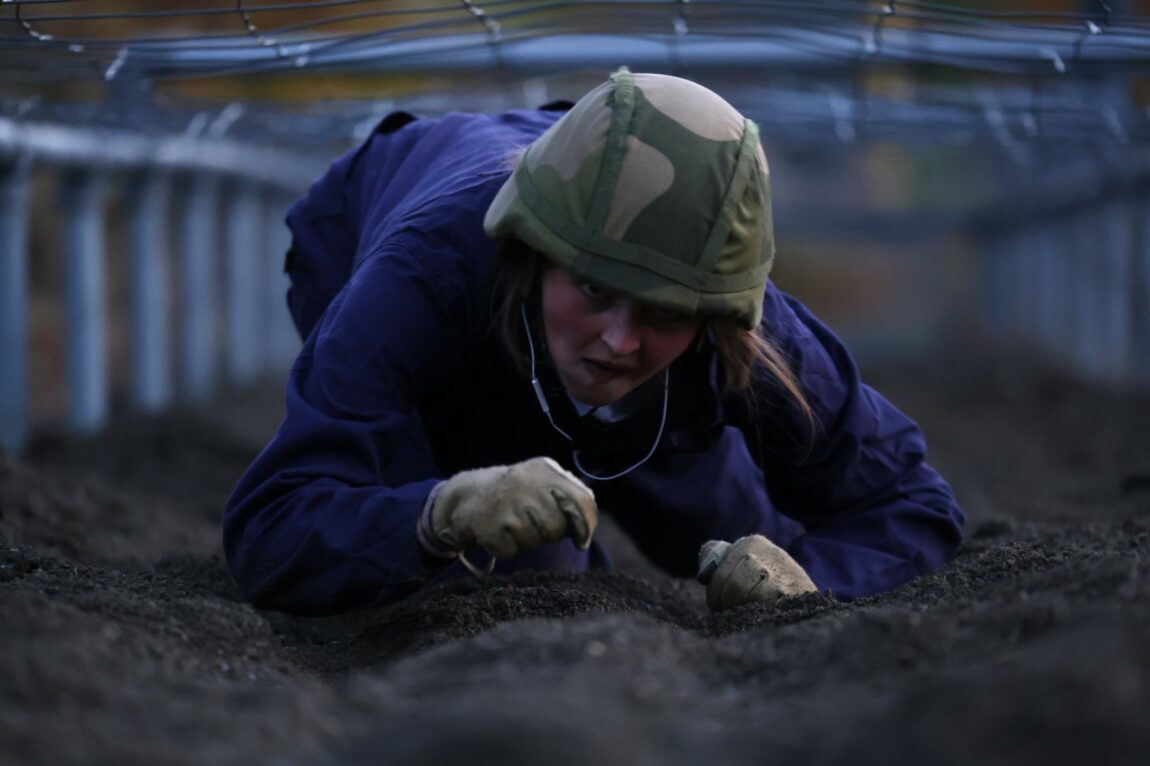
<point x="604" y="371"/>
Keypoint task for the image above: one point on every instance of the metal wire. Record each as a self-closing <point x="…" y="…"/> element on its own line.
<point x="753" y="17"/>
<point x="797" y="66"/>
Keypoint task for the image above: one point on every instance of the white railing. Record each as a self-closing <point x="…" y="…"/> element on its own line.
<point x="202" y="228"/>
<point x="1068" y="273"/>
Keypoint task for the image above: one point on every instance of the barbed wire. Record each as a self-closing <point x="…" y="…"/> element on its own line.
<point x="792" y="65"/>
<point x="1032" y="33"/>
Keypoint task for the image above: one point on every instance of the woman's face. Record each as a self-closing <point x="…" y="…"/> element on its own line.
<point x="605" y="345"/>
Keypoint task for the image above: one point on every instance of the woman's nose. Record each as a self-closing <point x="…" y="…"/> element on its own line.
<point x="622" y="331"/>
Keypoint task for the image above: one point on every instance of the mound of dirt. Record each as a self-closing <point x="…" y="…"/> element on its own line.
<point x="123" y="639"/>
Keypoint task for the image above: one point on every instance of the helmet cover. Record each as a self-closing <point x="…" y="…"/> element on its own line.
<point x="652" y="186"/>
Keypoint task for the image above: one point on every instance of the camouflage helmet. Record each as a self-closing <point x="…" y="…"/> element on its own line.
<point x="654" y="187"/>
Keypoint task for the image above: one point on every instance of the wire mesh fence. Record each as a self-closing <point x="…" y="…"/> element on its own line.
<point x="185" y="128"/>
<point x="959" y="55"/>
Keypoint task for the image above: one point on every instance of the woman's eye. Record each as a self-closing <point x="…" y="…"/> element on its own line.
<point x="592" y="291"/>
<point x="670" y="315"/>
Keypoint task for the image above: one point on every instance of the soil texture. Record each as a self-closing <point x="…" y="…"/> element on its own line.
<point x="123" y="639"/>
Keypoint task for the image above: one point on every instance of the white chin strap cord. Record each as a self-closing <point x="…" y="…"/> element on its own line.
<point x="535" y="385"/>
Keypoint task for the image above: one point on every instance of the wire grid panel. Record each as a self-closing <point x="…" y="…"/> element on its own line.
<point x="54" y="39"/>
<point x="814" y="72"/>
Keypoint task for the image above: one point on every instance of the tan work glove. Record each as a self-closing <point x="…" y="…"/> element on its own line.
<point x="506" y="509"/>
<point x="750" y="569"/>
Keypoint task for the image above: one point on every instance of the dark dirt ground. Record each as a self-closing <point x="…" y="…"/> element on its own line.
<point x="122" y="639"/>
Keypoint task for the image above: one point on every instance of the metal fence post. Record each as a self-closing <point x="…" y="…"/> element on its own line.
<point x="242" y="275"/>
<point x="81" y="198"/>
<point x="283" y="340"/>
<point x="1080" y="294"/>
<point x="1115" y="242"/>
<point x="1066" y="294"/>
<point x="147" y="197"/>
<point x="1024" y="294"/>
<point x="197" y="288"/>
<point x="1048" y="268"/>
<point x="14" y="173"/>
<point x="1009" y="287"/>
<point x="1017" y="293"/>
<point x="991" y="284"/>
<point x="1140" y="292"/>
<point x="1036" y="275"/>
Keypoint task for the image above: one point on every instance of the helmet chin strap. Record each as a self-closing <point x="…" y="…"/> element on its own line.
<point x="538" y="388"/>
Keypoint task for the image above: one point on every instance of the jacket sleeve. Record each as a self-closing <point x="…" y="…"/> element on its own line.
<point x="324" y="519"/>
<point x="875" y="514"/>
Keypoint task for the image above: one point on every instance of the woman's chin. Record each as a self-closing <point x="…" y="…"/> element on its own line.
<point x="598" y="394"/>
<point x="596" y="397"/>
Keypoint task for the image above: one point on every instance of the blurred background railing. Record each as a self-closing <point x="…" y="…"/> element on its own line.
<point x="946" y="174"/>
<point x="193" y="295"/>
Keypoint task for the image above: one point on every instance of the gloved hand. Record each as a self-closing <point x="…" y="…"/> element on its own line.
<point x="506" y="509"/>
<point x="752" y="569"/>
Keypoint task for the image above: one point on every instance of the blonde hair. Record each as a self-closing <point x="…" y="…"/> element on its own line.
<point x="742" y="353"/>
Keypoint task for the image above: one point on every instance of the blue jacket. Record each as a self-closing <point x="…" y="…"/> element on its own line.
<point x="402" y="382"/>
